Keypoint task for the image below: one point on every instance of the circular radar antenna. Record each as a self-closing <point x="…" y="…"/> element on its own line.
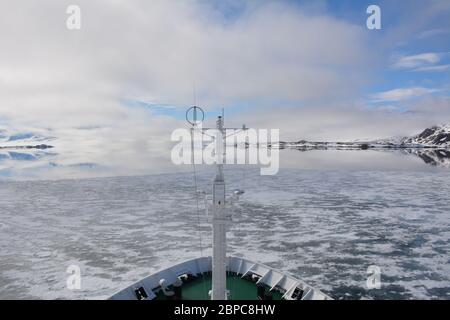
<point x="195" y="115"/>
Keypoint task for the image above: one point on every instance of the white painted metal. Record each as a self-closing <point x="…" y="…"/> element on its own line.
<point x="219" y="222"/>
<point x="275" y="279"/>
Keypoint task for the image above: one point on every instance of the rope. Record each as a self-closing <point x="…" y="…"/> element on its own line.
<point x="197" y="208"/>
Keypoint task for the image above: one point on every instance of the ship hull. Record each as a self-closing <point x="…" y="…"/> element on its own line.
<point x="246" y="280"/>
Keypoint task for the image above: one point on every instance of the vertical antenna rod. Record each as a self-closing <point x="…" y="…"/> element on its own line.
<point x="219" y="290"/>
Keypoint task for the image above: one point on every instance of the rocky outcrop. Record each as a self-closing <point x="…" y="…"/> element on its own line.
<point x="437" y="136"/>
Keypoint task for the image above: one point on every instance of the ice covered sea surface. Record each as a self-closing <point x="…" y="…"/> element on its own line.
<point x="326" y="227"/>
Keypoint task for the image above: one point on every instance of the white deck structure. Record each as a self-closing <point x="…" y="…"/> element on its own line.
<point x="276" y="280"/>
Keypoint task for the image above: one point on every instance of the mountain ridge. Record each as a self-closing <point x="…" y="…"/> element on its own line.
<point x="437" y="137"/>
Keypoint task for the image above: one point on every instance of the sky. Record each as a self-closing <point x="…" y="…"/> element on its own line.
<point x="120" y="84"/>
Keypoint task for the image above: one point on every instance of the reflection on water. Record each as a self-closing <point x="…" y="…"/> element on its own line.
<point x="434" y="157"/>
<point x="44" y="164"/>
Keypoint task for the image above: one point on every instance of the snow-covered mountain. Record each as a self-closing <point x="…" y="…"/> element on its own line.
<point x="431" y="145"/>
<point x="437" y="136"/>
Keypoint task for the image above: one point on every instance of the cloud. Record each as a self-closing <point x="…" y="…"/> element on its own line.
<point x="436" y="109"/>
<point x="402" y="94"/>
<point x="125" y="50"/>
<point x="432" y="33"/>
<point x="415" y="61"/>
<point x="349" y="122"/>
<point x="438" y="68"/>
<point x="425" y="62"/>
<point x="159" y="48"/>
<point x="411" y="20"/>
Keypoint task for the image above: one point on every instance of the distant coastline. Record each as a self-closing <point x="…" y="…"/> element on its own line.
<point x="39" y="146"/>
<point x="437" y="138"/>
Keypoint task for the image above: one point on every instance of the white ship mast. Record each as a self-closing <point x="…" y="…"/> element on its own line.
<point x="219" y="221"/>
<point x="220" y="215"/>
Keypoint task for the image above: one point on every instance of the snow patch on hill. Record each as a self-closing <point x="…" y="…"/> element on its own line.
<point x="437" y="136"/>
